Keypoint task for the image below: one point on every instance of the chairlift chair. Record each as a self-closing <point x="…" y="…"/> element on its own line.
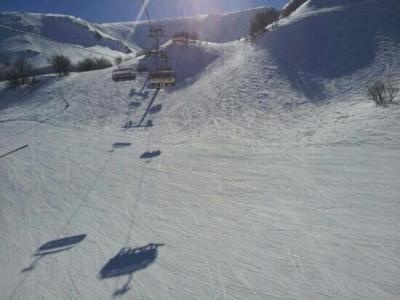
<point x="162" y="78"/>
<point x="123" y="74"/>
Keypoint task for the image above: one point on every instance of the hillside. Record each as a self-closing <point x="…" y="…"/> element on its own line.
<point x="218" y="28"/>
<point x="37" y="37"/>
<point x="267" y="174"/>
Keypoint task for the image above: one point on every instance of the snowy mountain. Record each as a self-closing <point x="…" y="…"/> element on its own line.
<point x="267" y="174"/>
<point x="37" y="37"/>
<point x="219" y="28"/>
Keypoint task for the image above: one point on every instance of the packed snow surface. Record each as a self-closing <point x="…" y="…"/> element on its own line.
<point x="266" y="173"/>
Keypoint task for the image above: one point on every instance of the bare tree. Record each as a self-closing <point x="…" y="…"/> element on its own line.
<point x="20" y="73"/>
<point x="392" y="91"/>
<point x="23" y="70"/>
<point x="89" y="64"/>
<point x="382" y="93"/>
<point x="273" y="18"/>
<point x="118" y="60"/>
<point x="61" y="64"/>
<point x="260" y="21"/>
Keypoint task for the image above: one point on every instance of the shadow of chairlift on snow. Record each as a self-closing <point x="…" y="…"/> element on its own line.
<point x="116" y="146"/>
<point x="149" y="123"/>
<point x="142" y="94"/>
<point x="129" y="125"/>
<point x="123" y="74"/>
<point x="155" y="109"/>
<point x="149" y="155"/>
<point x="54" y="247"/>
<point x="134" y="104"/>
<point x="120" y="145"/>
<point x="127" y="262"/>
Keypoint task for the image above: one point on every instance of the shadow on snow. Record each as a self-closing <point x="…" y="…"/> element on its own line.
<point x="127" y="262"/>
<point x="53" y="247"/>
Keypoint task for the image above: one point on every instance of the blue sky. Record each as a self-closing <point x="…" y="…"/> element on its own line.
<point x="126" y="10"/>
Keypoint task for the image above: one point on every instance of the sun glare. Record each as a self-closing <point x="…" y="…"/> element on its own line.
<point x="138" y="17"/>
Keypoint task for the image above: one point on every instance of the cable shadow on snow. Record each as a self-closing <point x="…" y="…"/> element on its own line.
<point x="54" y="247"/>
<point x="128" y="261"/>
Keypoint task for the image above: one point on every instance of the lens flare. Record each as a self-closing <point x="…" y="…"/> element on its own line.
<point x="138" y="17"/>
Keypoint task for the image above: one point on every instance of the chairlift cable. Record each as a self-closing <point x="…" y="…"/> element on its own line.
<point x="147" y="12"/>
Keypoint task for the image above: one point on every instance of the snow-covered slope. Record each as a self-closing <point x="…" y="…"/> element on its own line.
<point x="273" y="180"/>
<point x="38" y="37"/>
<point x="327" y="40"/>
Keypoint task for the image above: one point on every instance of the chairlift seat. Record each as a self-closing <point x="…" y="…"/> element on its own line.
<point x="123" y="74"/>
<point x="162" y="78"/>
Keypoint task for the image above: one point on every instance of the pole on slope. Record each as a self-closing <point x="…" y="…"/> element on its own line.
<point x="13" y="151"/>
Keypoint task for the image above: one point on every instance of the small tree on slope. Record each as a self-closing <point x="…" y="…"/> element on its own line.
<point x="20" y="73"/>
<point x="269" y="16"/>
<point x="118" y="60"/>
<point x="61" y="64"/>
<point x="382" y="93"/>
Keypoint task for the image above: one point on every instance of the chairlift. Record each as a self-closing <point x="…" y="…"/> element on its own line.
<point x="160" y="31"/>
<point x="123" y="74"/>
<point x="161" y="78"/>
